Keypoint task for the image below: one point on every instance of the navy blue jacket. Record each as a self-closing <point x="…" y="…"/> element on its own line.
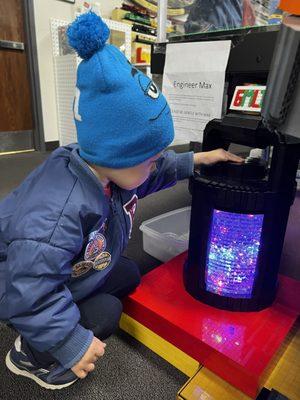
<point x="60" y="237"/>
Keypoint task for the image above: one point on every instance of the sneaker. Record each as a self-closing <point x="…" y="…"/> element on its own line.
<point x="52" y="377"/>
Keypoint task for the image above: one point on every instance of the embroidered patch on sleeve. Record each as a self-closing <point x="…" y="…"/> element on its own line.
<point x="95" y="246"/>
<point x="81" y="268"/>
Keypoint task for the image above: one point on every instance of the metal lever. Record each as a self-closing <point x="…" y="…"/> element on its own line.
<point x="8" y="44"/>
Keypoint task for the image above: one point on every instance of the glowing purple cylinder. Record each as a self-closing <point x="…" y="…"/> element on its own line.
<point x="233" y="249"/>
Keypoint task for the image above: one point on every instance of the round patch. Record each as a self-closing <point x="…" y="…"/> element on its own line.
<point x="95" y="247"/>
<point x="81" y="268"/>
<point x="102" y="261"/>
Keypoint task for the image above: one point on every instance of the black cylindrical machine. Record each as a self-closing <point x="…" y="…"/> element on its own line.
<point x="240" y="212"/>
<point x="239" y="217"/>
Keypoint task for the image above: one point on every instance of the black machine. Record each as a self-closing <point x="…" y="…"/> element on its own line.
<point x="240" y="211"/>
<point x="239" y="217"/>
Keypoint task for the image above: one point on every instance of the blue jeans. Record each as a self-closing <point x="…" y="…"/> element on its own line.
<point x="101" y="311"/>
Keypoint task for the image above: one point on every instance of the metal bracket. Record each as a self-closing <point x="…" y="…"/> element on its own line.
<point x="8" y="44"/>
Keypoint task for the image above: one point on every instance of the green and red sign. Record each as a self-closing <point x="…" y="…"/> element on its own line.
<point x="248" y="98"/>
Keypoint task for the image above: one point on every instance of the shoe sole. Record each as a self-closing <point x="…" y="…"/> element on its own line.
<point x="15" y="370"/>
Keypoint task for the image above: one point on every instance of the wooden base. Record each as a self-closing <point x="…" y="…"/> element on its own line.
<point x="285" y="376"/>
<point x="205" y="385"/>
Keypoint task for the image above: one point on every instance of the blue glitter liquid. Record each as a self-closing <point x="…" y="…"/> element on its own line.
<point x="232" y="253"/>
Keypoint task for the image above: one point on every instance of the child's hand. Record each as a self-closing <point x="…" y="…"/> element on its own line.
<point x="214" y="156"/>
<point x="87" y="363"/>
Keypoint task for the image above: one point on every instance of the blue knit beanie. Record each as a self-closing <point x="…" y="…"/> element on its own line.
<point x="121" y="117"/>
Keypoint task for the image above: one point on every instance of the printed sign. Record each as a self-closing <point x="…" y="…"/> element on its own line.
<point x="248" y="98"/>
<point x="194" y="85"/>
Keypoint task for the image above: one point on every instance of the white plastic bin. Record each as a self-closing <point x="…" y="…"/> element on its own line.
<point x="167" y="235"/>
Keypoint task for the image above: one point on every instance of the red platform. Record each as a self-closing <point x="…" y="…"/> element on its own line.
<point x="236" y="346"/>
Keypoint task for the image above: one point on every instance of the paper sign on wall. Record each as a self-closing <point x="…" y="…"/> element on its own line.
<point x="193" y="83"/>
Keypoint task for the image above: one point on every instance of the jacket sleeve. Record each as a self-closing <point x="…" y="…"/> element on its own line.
<point x="170" y="168"/>
<point x="40" y="306"/>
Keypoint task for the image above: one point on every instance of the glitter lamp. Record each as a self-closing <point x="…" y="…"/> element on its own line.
<point x="233" y="248"/>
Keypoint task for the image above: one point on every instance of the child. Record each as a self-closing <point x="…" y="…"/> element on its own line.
<point x="63" y="230"/>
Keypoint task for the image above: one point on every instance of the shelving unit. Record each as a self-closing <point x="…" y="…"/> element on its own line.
<point x="141" y="40"/>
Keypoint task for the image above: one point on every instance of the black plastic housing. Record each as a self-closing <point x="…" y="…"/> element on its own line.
<point x="246" y="189"/>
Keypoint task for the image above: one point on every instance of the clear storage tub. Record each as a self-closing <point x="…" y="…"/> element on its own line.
<point x="167" y="235"/>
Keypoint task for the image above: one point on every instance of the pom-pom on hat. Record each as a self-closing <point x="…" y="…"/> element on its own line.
<point x="88" y="34"/>
<point x="121" y="117"/>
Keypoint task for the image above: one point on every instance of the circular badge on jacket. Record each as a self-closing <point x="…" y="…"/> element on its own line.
<point x="95" y="247"/>
<point x="81" y="268"/>
<point x="102" y="261"/>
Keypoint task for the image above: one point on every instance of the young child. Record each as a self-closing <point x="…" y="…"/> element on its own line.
<point x="63" y="230"/>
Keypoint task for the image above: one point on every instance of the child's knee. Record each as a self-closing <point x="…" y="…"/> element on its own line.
<point x="111" y="320"/>
<point x="134" y="276"/>
<point x="117" y="308"/>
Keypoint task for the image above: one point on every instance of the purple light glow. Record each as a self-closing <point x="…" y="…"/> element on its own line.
<point x="227" y="338"/>
<point x="232" y="253"/>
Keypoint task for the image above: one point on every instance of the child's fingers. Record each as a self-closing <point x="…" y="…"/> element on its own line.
<point x="100" y="352"/>
<point x="84" y="370"/>
<point x="233" y="157"/>
<point x="90" y="367"/>
<point x="82" y="374"/>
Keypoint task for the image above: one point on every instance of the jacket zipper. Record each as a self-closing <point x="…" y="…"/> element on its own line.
<point x="115" y="212"/>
